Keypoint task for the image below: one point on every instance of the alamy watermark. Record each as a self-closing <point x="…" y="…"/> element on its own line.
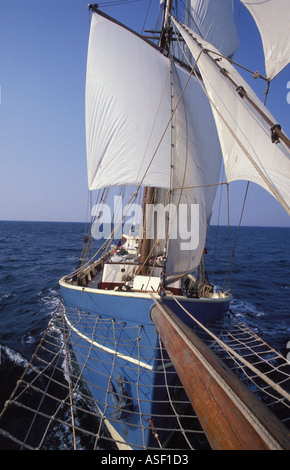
<point x="288" y="94"/>
<point x="162" y="221"/>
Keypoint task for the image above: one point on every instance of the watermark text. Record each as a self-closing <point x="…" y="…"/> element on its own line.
<point x="162" y="222"/>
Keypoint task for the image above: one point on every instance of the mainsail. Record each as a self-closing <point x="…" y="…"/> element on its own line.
<point x="272" y="18"/>
<point x="149" y="123"/>
<point x="248" y="151"/>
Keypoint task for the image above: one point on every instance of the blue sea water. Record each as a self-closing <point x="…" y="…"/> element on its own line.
<point x="34" y="255"/>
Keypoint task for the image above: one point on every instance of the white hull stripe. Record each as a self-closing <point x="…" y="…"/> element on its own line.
<point x="119" y="441"/>
<point x="108" y="350"/>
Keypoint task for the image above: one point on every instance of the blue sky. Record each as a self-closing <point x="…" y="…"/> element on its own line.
<point x="43" y="48"/>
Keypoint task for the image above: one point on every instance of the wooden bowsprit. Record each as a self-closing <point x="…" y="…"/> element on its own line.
<point x="232" y="417"/>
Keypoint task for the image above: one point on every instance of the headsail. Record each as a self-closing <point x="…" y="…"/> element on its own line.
<point x="214" y="22"/>
<point x="245" y="136"/>
<point x="272" y="18"/>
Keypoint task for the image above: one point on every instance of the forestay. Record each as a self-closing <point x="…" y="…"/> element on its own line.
<point x="245" y="137"/>
<point x="272" y="18"/>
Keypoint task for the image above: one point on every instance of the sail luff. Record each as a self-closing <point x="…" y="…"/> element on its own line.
<point x="244" y="133"/>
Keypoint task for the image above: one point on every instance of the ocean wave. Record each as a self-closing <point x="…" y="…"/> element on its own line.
<point x="7" y="296"/>
<point x="28" y="338"/>
<point x="49" y="300"/>
<point x="244" y="308"/>
<point x="73" y="258"/>
<point x="13" y="356"/>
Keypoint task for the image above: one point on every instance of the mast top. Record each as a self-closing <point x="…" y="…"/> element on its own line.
<point x="166" y="28"/>
<point x="93" y="6"/>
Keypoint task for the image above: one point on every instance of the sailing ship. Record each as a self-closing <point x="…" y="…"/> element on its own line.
<point x="161" y="120"/>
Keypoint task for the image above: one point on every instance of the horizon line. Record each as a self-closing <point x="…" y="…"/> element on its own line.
<point x="85" y="222"/>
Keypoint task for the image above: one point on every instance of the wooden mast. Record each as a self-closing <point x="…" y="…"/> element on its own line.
<point x="148" y="198"/>
<point x="149" y="192"/>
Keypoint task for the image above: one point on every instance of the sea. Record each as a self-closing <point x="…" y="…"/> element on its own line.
<point x="35" y="255"/>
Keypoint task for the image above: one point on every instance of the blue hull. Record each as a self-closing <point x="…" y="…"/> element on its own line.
<point x="117" y="349"/>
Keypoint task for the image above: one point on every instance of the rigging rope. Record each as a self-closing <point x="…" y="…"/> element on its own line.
<point x="69" y="385"/>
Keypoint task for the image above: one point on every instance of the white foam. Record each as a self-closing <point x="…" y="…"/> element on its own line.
<point x="14" y="356"/>
<point x="50" y="300"/>
<point x="241" y="308"/>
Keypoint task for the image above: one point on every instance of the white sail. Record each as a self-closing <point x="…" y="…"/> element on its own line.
<point x="196" y="163"/>
<point x="200" y="137"/>
<point x="214" y="22"/>
<point x="245" y="137"/>
<point x="273" y="19"/>
<point x="127" y="109"/>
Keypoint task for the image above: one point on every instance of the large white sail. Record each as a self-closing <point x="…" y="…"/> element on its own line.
<point x="273" y="19"/>
<point x="184" y="210"/>
<point x="196" y="159"/>
<point x="199" y="135"/>
<point x="127" y="109"/>
<point x="245" y="136"/>
<point x="214" y="22"/>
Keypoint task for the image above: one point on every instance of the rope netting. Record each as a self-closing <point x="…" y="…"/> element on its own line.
<point x="52" y="405"/>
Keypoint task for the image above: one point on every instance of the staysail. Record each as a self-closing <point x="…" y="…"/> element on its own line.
<point x="272" y="18"/>
<point x="214" y="22"/>
<point x="196" y="162"/>
<point x="248" y="151"/>
<point x="149" y="123"/>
